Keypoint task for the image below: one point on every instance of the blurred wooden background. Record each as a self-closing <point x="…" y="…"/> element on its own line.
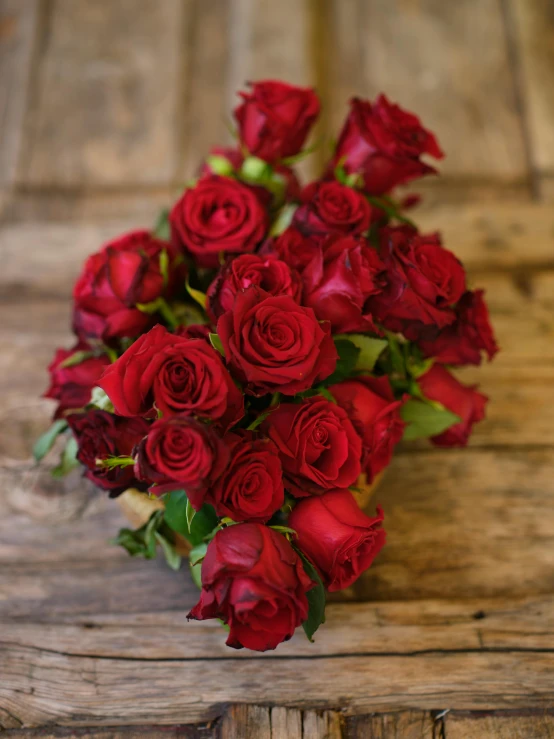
<point x="106" y="107"/>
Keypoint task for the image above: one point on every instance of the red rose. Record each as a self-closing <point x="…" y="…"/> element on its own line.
<point x="339" y="280"/>
<point x="99" y="435"/>
<point x="275" y="118"/>
<point x="425" y="281"/>
<point x="337" y="536"/>
<point x="384" y="143"/>
<point x="273" y="344"/>
<point x="463" y="341"/>
<point x="293" y="248"/>
<point x="183" y="451"/>
<point x="251" y="486"/>
<point x="194" y="331"/>
<point x="218" y="215"/>
<point x="271" y="275"/>
<point x="329" y="207"/>
<point x="126" y="272"/>
<point x="318" y="445"/>
<point x="375" y="414"/>
<point x="72" y="386"/>
<point x="463" y="400"/>
<point x="254" y="581"/>
<point x="174" y="374"/>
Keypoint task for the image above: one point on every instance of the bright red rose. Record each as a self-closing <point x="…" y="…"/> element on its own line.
<point x="254" y="581"/>
<point x="71" y="386"/>
<point x="463" y="400"/>
<point x="271" y="275"/>
<point x="251" y="487"/>
<point x="275" y="118"/>
<point x="181" y="452"/>
<point x="471" y="333"/>
<point x="337" y="536"/>
<point x="273" y="344"/>
<point x="218" y="215"/>
<point x="340" y="279"/>
<point x="126" y="272"/>
<point x="425" y="281"/>
<point x="100" y="435"/>
<point x="293" y="248"/>
<point x="175" y="375"/>
<point x="384" y="143"/>
<point x="329" y="207"/>
<point x="318" y="445"/>
<point x="375" y="414"/>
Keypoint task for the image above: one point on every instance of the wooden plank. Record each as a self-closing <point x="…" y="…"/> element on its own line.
<point x="533" y="27"/>
<point x="401" y="725"/>
<point x="18" y="29"/>
<point x="39" y="687"/>
<point x="450" y="66"/>
<point x="104" y="110"/>
<point x="510" y="725"/>
<point x="202" y="731"/>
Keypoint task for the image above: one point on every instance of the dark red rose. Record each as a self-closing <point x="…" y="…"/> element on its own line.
<point x="251" y="487"/>
<point x="318" y="445"/>
<point x="329" y="207"/>
<point x="271" y="275"/>
<point x="181" y="452"/>
<point x="375" y="414"/>
<point x="99" y="435"/>
<point x="275" y="118"/>
<point x="471" y="333"/>
<point x="273" y="344"/>
<point x="126" y="272"/>
<point x="72" y="386"/>
<point x="337" y="536"/>
<point x="254" y="581"/>
<point x="340" y="279"/>
<point x="175" y="375"/>
<point x="293" y="248"/>
<point x="425" y="281"/>
<point x="463" y="400"/>
<point x="194" y="331"/>
<point x="384" y="143"/>
<point x="218" y="215"/>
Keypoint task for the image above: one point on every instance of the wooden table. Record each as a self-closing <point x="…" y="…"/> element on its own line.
<point x="106" y="107"/>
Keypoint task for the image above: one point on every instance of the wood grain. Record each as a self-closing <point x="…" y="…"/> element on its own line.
<point x="536" y="725"/>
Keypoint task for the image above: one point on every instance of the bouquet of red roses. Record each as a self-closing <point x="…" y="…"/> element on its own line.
<point x="247" y="367"/>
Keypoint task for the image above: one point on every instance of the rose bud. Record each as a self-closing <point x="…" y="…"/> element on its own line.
<point x="254" y="581"/>
<point x="318" y="445"/>
<point x="425" y="281"/>
<point x="463" y="400"/>
<point x="329" y="207"/>
<point x="337" y="536"/>
<point x="100" y="435"/>
<point x="293" y="248"/>
<point x="273" y="344"/>
<point x="463" y="341"/>
<point x="181" y="452"/>
<point x="275" y="118"/>
<point x="71" y="386"/>
<point x="340" y="279"/>
<point x="126" y="272"/>
<point x="271" y="275"/>
<point x="375" y="414"/>
<point x="384" y="143"/>
<point x="175" y="375"/>
<point x="218" y="215"/>
<point x="251" y="487"/>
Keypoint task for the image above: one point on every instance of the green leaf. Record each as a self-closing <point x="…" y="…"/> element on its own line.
<point x="45" y="442"/>
<point x="217" y="344"/>
<point x="196" y="572"/>
<point x="348" y="356"/>
<point x="190" y="514"/>
<point x="425" y="420"/>
<point x="68" y="459"/>
<point x="182" y="518"/>
<point x="198" y="553"/>
<point x="196" y="295"/>
<point x="171" y="556"/>
<point x="141" y="542"/>
<point x="176" y="512"/>
<point x="162" y="229"/>
<point x="99" y="399"/>
<point x="370" y="349"/>
<point x="220" y="165"/>
<point x="316" y="600"/>
<point x="76" y="358"/>
<point x="283" y="220"/>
